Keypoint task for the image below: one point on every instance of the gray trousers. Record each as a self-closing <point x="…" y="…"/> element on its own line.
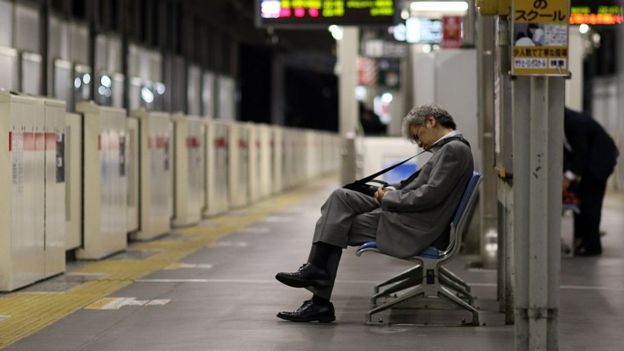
<point x="347" y="218"/>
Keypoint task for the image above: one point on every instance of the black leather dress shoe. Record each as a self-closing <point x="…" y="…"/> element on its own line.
<point x="307" y="275"/>
<point x="310" y="312"/>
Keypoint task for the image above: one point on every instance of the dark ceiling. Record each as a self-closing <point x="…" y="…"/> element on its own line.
<point x="237" y="17"/>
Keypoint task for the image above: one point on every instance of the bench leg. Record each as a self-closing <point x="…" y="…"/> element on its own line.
<point x="418" y="290"/>
<point x="405" y="284"/>
<point x="444" y="271"/>
<point x="453" y="298"/>
<point x="457" y="287"/>
<point x="412" y="272"/>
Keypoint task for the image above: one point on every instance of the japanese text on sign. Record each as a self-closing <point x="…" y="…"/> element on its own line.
<point x="541" y="11"/>
<point x="540" y="37"/>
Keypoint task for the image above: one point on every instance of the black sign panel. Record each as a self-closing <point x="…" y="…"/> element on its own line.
<point x="311" y="13"/>
<point x="60" y="158"/>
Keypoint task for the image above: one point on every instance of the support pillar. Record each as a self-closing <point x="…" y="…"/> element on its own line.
<point x="504" y="153"/>
<point x="347" y="52"/>
<point x="537" y="167"/>
<point x="488" y="240"/>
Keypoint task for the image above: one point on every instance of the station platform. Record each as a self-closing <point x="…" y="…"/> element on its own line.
<point x="212" y="287"/>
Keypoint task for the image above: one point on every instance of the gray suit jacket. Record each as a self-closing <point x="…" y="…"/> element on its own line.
<point x="417" y="213"/>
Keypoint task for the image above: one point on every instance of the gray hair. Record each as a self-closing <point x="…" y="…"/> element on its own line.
<point x="418" y="115"/>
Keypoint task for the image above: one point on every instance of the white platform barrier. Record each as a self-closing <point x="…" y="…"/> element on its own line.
<point x="24" y="257"/>
<point x="156" y="175"/>
<point x="254" y="175"/>
<point x="239" y="165"/>
<point x="132" y="163"/>
<point x="73" y="181"/>
<point x="277" y="159"/>
<point x="105" y="181"/>
<point x="217" y="180"/>
<point x="265" y="160"/>
<point x="288" y="158"/>
<point x="189" y="190"/>
<point x="301" y="159"/>
<point x="54" y="218"/>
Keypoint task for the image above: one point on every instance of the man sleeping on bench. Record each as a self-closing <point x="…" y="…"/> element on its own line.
<point x="403" y="219"/>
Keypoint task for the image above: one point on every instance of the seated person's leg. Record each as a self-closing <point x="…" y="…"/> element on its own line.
<point x="319" y="274"/>
<point x="337" y="215"/>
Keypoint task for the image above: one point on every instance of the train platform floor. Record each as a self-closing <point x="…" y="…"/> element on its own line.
<point x="212" y="287"/>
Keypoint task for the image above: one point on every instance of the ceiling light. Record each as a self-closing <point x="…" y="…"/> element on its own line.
<point x="439" y="6"/>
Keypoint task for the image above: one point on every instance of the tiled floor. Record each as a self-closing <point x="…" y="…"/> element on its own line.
<point x="224" y="297"/>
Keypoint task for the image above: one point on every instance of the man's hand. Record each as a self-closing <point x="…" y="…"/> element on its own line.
<point x="381" y="191"/>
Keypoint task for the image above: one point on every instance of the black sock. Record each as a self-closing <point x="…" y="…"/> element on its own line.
<point x="320" y="253"/>
<point x="319" y="300"/>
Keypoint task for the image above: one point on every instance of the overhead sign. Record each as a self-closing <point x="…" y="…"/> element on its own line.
<point x="540" y="37"/>
<point x="596" y="14"/>
<point x="451" y="31"/>
<point x="307" y="13"/>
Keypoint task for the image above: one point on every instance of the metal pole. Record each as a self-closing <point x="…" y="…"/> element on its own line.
<point x="538" y="156"/>
<point x="520" y="125"/>
<point x="555" y="150"/>
<point x="348" y="50"/>
<point x="503" y="131"/>
<point x="487" y="200"/>
<point x="538" y="213"/>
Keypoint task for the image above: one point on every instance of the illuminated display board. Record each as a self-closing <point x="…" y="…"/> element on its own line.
<point x="325" y="12"/>
<point x="596" y="12"/>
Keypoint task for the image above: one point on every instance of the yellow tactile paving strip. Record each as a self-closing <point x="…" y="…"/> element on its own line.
<point x="29" y="312"/>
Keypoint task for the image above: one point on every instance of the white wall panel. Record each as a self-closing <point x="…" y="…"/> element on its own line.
<point x="217" y="168"/>
<point x="423" y="77"/>
<point x="459" y="98"/>
<point x="118" y="90"/>
<point x="27" y="28"/>
<point x="239" y="165"/>
<point x="189" y="158"/>
<point x="31" y="73"/>
<point x="6" y="23"/>
<point x="265" y="168"/>
<point x="54" y="187"/>
<point x="155" y="66"/>
<point x="8" y="69"/>
<point x="277" y="151"/>
<point x="63" y="82"/>
<point x="21" y="183"/>
<point x="105" y="180"/>
<point x="193" y="93"/>
<point x="226" y="109"/>
<point x="73" y="181"/>
<point x="58" y="50"/>
<point x="156" y="174"/>
<point x="253" y="169"/>
<point x="79" y="43"/>
<point x="208" y="95"/>
<point x="132" y="162"/>
<point x="58" y="36"/>
<point x="448" y="78"/>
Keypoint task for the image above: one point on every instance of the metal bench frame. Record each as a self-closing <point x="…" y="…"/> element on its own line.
<point x="429" y="279"/>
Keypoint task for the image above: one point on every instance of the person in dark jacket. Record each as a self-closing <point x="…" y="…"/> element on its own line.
<point x="589" y="158"/>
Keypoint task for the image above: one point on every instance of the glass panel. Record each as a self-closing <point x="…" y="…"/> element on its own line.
<point x="31" y="73"/>
<point x="8" y="69"/>
<point x="63" y="81"/>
